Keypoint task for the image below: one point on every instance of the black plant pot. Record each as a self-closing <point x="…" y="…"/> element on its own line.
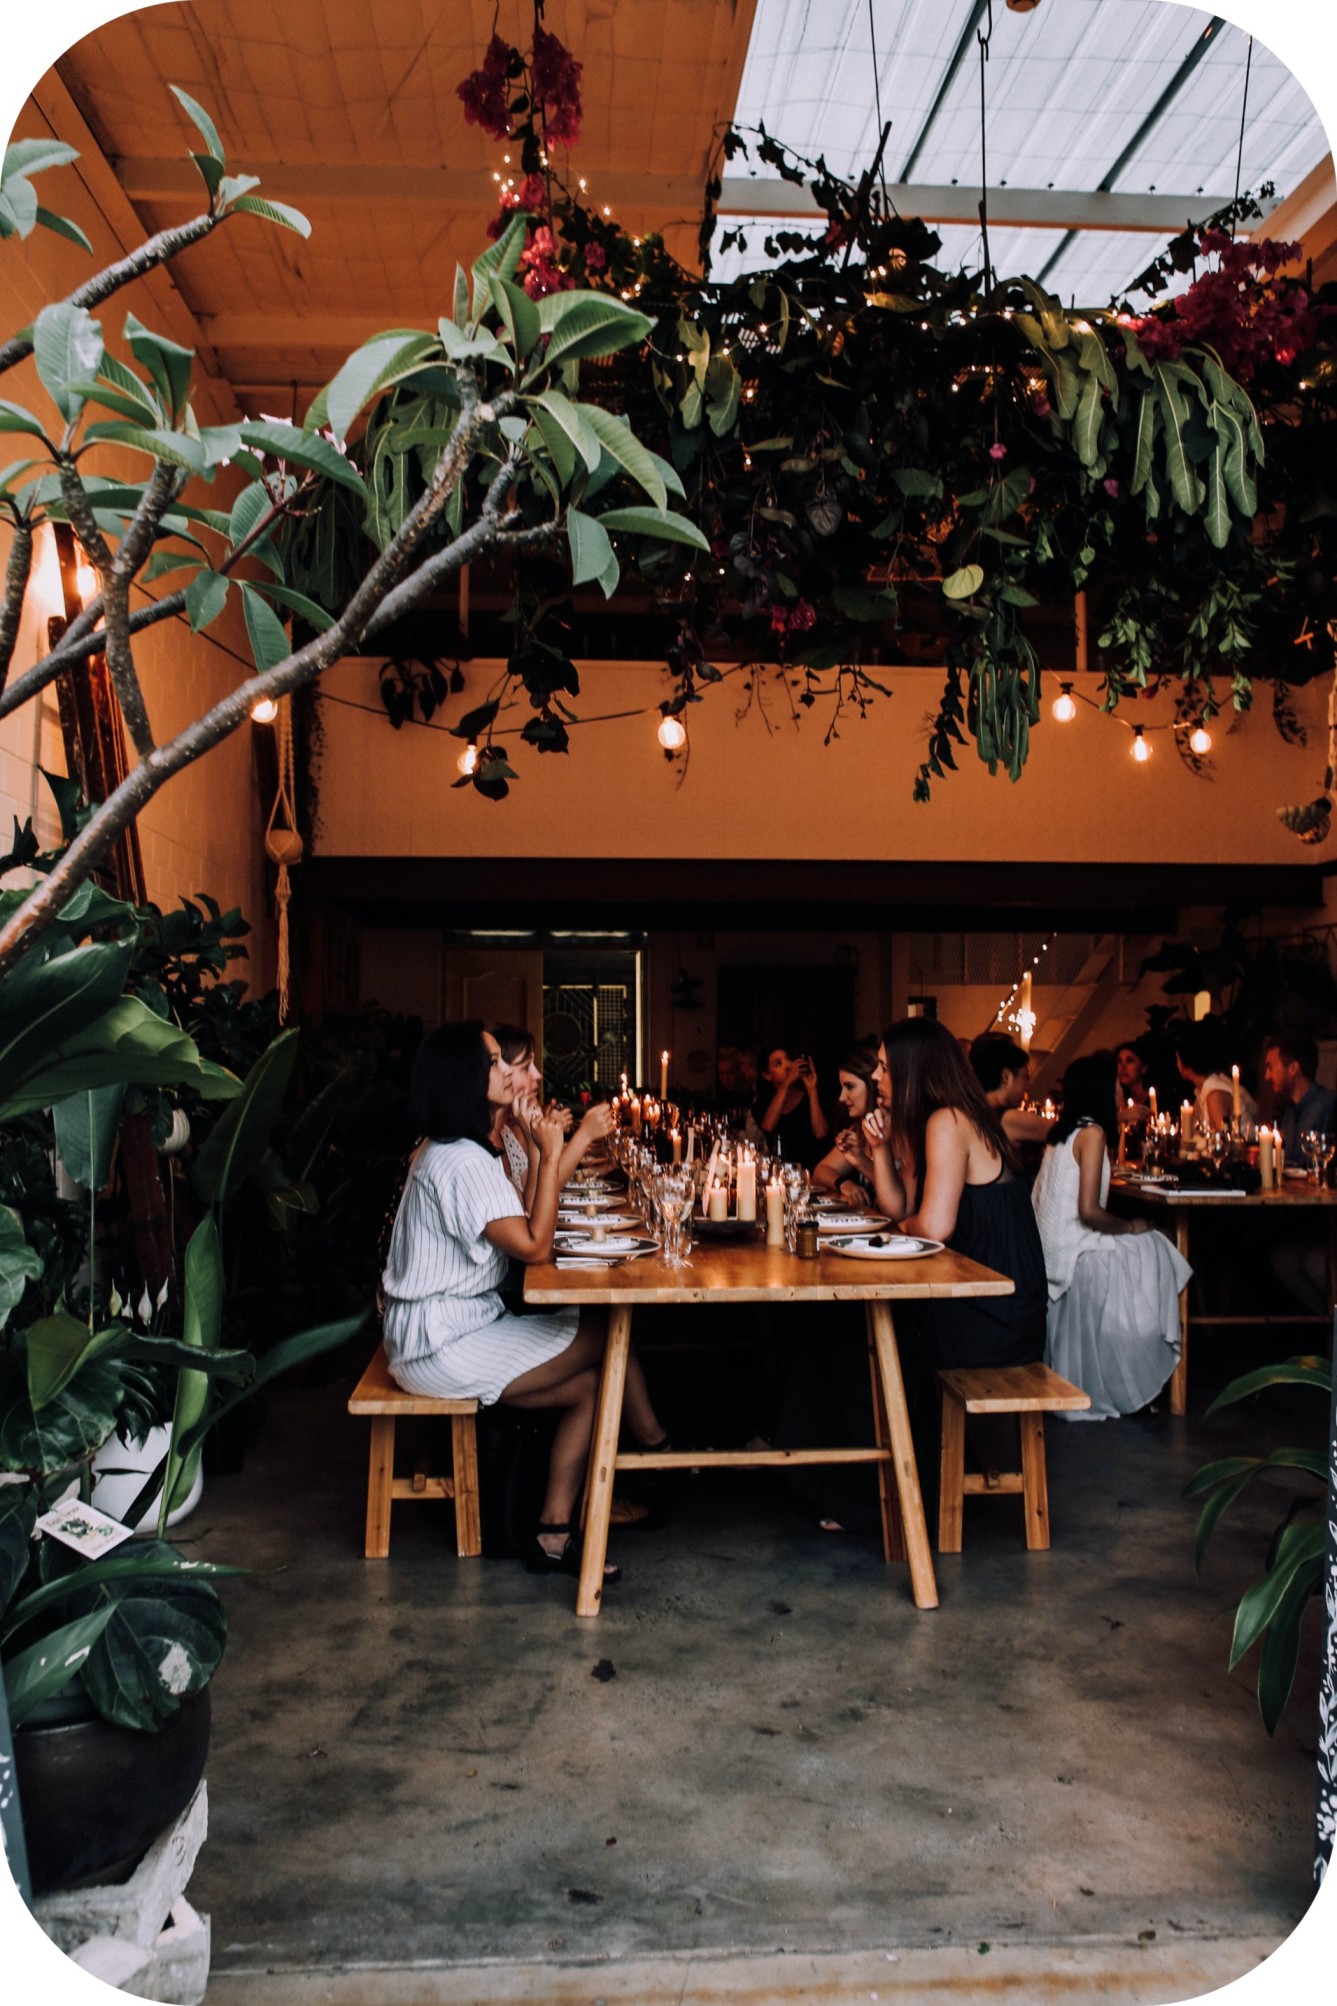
<point x="94" y="1797"/>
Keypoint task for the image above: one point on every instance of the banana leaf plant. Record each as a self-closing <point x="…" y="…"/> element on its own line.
<point x="1273" y="1609"/>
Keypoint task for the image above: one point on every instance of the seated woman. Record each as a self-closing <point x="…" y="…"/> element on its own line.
<point x="1201" y="1050"/>
<point x="847" y="1168"/>
<point x="515" y="1133"/>
<point x="1132" y="1074"/>
<point x="1003" y="1069"/>
<point x="787" y="1109"/>
<point x="460" y="1224"/>
<point x="1113" y="1324"/>
<point x="943" y="1167"/>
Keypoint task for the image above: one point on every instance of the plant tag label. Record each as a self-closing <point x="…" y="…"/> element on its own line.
<point x="87" y="1530"/>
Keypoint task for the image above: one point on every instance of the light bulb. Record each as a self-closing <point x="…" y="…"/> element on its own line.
<point x="468" y="759"/>
<point x="1065" y="704"/>
<point x="1200" y="740"/>
<point x="264" y="710"/>
<point x="1141" y="750"/>
<point x="672" y="734"/>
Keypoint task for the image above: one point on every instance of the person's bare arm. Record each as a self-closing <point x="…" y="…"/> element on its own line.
<point x="946" y="1154"/>
<point x="770" y="1121"/>
<point x="1024" y="1125"/>
<point x="1218" y="1108"/>
<point x="597" y="1122"/>
<point x="1088" y="1147"/>
<point x="530" y="1240"/>
<point x="807" y="1079"/>
<point x="894" y="1188"/>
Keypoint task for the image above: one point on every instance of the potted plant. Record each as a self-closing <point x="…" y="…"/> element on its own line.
<point x="106" y="1655"/>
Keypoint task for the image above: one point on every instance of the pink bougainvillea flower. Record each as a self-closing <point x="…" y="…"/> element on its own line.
<point x="1111" y="487"/>
<point x="998" y="451"/>
<point x="556" y="79"/>
<point x="484" y="94"/>
<point x="596" y="257"/>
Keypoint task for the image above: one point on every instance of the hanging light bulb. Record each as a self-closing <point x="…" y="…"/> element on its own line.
<point x="672" y="734"/>
<point x="1065" y="704"/>
<point x="264" y="710"/>
<point x="1141" y="750"/>
<point x="1023" y="6"/>
<point x="86" y="582"/>
<point x="468" y="759"/>
<point x="1200" y="739"/>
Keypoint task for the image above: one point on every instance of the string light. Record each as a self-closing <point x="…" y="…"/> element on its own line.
<point x="1064" y="707"/>
<point x="1007" y="1014"/>
<point x="672" y="734"/>
<point x="1141" y="750"/>
<point x="264" y="710"/>
<point x="1200" y="740"/>
<point x="468" y="759"/>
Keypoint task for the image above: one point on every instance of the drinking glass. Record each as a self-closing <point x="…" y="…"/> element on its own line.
<point x="798" y="1185"/>
<point x="1312" y="1141"/>
<point x="676" y="1192"/>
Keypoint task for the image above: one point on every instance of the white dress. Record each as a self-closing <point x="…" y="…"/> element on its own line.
<point x="1222" y="1083"/>
<point x="1113" y="1321"/>
<point x="447" y="1331"/>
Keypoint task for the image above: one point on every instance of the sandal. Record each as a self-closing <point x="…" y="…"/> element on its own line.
<point x="538" y="1560"/>
<point x="627" y="1512"/>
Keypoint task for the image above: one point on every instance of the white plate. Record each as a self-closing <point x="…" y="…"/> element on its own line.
<point x="612" y="1243"/>
<point x="852" y="1222"/>
<point x="574" y="1219"/>
<point x="892" y="1247"/>
<point x="591" y="1184"/>
<point x="593" y="1201"/>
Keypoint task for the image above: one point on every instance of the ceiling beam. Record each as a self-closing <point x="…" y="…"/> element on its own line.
<point x="155" y="180"/>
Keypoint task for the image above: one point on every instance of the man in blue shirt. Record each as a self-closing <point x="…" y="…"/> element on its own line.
<point x="1290" y="1061"/>
<point x="1299" y="1261"/>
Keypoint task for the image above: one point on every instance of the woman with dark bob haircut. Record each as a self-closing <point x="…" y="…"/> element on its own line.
<point x="944" y="1168"/>
<point x="460" y="1224"/>
<point x="1113" y="1318"/>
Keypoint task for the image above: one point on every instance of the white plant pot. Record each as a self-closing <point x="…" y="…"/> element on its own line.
<point x="115" y="1494"/>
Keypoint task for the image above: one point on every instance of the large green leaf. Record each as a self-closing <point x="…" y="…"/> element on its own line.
<point x="67" y="349"/>
<point x="167" y="362"/>
<point x="265" y="631"/>
<point x="14" y="418"/>
<point x="38" y="1673"/>
<point x="57" y="1345"/>
<point x="241" y="1134"/>
<point x="518" y="313"/>
<point x="19" y="1263"/>
<point x="1303" y="1371"/>
<point x="588" y="324"/>
<point x="280" y="1358"/>
<point x="621" y="444"/>
<point x="126" y="1043"/>
<point x="371" y="369"/>
<point x="1216" y="514"/>
<point x="1299" y="1547"/>
<point x="69" y="1427"/>
<point x="670" y="528"/>
<point x="1281" y="1646"/>
<point x="44" y="1004"/>
<point x="571" y="420"/>
<point x="157" y="1647"/>
<point x="178" y="449"/>
<point x="302" y="449"/>
<point x="201" y="121"/>
<point x="206" y="596"/>
<point x="1184" y="483"/>
<point x="86" y="1125"/>
<point x="18" y="1516"/>
<point x="500" y="258"/>
<point x="32" y="156"/>
<point x="146" y="1564"/>
<point x="1087" y="424"/>
<point x="1144" y="445"/>
<point x="281" y="213"/>
<point x="202" y="1329"/>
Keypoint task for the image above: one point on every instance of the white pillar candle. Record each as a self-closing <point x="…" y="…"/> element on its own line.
<point x="1151" y="1099"/>
<point x="1266" y="1159"/>
<point x="717" y="1201"/>
<point x="663" y="1075"/>
<point x="1185" y="1122"/>
<point x="747" y="1188"/>
<point x="775" y="1213"/>
<point x="635" y="1117"/>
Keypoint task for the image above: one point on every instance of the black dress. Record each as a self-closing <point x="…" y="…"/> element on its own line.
<point x="793" y="1133"/>
<point x="995" y="1225"/>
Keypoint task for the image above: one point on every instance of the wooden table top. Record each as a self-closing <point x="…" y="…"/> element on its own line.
<point x="1291" y="1193"/>
<point x="753" y="1272"/>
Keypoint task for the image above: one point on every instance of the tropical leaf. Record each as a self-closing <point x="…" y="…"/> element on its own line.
<point x="302" y="449"/>
<point x="39" y="1673"/>
<point x="265" y="631"/>
<point x="1184" y="483"/>
<point x="86" y="1125"/>
<point x="1087" y="424"/>
<point x="591" y="550"/>
<point x="159" y="442"/>
<point x="19" y="1265"/>
<point x="500" y="258"/>
<point x="201" y="1329"/>
<point x="240" y="1136"/>
<point x="963" y="583"/>
<point x="663" y="523"/>
<point x="588" y="324"/>
<point x="1144" y="445"/>
<point x="1281" y="1645"/>
<point x="621" y="444"/>
<point x="1216" y="514"/>
<point x="158" y="1646"/>
<point x="67" y="349"/>
<point x="167" y="362"/>
<point x="518" y="313"/>
<point x="571" y="419"/>
<point x="201" y="121"/>
<point x="206" y="596"/>
<point x="1307" y="1370"/>
<point x="371" y="369"/>
<point x="281" y="213"/>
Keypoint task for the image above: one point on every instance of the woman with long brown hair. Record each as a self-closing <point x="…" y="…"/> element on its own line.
<point x="846" y="1168"/>
<point x="944" y="1168"/>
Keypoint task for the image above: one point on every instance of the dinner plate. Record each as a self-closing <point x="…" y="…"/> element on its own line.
<point x="595" y="1184"/>
<point x="612" y="1243"/>
<point x="852" y="1222"/>
<point x="565" y="1218"/>
<point x="885" y="1247"/>
<point x="593" y="1201"/>
<point x="825" y="1201"/>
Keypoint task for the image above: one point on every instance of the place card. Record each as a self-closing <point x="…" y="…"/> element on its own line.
<point x="83" y="1527"/>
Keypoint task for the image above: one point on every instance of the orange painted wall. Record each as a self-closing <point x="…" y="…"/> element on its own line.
<point x="764" y="787"/>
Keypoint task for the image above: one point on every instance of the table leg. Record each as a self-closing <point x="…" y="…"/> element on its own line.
<point x="922" y="1584"/>
<point x="893" y="1539"/>
<point x="1179" y="1378"/>
<point x="599" y="1491"/>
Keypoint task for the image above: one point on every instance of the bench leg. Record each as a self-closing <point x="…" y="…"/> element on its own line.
<point x="464" y="1456"/>
<point x="951" y="1475"/>
<point x="1034" y="1483"/>
<point x="380" y="1478"/>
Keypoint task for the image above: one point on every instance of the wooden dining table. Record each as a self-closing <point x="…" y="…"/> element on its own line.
<point x="1181" y="1207"/>
<point x="750" y="1272"/>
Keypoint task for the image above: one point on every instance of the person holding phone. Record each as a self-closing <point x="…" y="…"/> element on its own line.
<point x="788" y="1111"/>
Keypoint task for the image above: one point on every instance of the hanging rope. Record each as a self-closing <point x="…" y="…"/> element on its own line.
<point x="984" y="41"/>
<point x="1244" y="113"/>
<point x="283" y="845"/>
<point x="877" y="100"/>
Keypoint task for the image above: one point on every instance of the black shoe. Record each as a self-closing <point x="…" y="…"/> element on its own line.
<point x="538" y="1560"/>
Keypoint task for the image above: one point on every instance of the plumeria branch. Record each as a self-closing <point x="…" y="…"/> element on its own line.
<point x="153" y="251"/>
<point x="16" y="585"/>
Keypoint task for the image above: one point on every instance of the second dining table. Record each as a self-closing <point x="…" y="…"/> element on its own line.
<point x="751" y="1272"/>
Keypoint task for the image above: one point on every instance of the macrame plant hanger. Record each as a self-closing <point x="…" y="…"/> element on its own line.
<point x="283" y="844"/>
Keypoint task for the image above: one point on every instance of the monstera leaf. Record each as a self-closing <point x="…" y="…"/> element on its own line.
<point x="163" y="1640"/>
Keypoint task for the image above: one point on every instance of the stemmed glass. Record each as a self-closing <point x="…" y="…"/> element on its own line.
<point x="1317" y="1145"/>
<point x="675" y="1195"/>
<point x="798" y="1187"/>
<point x="1326" y="1145"/>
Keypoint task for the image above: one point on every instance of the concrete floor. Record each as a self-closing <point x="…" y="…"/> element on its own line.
<point x="415" y="1763"/>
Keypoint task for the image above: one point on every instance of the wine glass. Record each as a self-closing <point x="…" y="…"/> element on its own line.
<point x="1312" y="1142"/>
<point x="676" y="1194"/>
<point x="798" y="1186"/>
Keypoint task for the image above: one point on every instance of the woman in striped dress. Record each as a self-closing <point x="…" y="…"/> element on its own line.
<point x="459" y="1226"/>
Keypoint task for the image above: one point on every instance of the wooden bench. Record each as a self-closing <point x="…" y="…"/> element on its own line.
<point x="1028" y="1391"/>
<point x="378" y="1395"/>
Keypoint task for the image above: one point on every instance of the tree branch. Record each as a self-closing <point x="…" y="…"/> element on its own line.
<point x="161" y="491"/>
<point x="16" y="585"/>
<point x="158" y="766"/>
<point x="78" y="643"/>
<point x="154" y="251"/>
